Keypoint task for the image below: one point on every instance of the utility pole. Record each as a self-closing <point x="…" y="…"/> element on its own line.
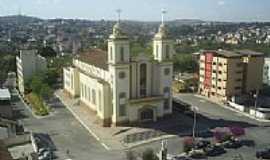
<point x="194" y="109"/>
<point x="256" y="99"/>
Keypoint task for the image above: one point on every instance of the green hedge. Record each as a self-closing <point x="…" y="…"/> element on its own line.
<point x="37" y="104"/>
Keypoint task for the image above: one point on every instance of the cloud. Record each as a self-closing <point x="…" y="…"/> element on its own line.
<point x="221" y="3"/>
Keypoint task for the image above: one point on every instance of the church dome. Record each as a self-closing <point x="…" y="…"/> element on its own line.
<point x="117" y="31"/>
<point x="162" y="32"/>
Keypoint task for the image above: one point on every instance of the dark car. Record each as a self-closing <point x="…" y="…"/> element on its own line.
<point x="264" y="154"/>
<point x="202" y="144"/>
<point x="214" y="151"/>
<point x="232" y="144"/>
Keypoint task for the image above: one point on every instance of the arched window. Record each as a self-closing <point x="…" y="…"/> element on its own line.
<point x="143" y="79"/>
<point x="167" y="53"/>
<point x="122" y="58"/>
<point x="94" y="97"/>
<point x="166" y="91"/>
<point x="111" y="53"/>
<point x="157" y="48"/>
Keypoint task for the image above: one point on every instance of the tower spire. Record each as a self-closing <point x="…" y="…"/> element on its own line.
<point x="119" y="11"/>
<point x="163" y="12"/>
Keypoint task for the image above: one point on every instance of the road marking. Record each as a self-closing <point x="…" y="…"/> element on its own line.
<point x="84" y="125"/>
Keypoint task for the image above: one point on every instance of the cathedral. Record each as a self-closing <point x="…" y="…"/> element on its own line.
<point x="119" y="87"/>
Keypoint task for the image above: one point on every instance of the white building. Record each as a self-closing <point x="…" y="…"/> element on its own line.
<point x="122" y="88"/>
<point x="28" y="63"/>
<point x="266" y="71"/>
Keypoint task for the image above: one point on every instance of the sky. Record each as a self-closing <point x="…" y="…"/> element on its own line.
<point x="144" y="10"/>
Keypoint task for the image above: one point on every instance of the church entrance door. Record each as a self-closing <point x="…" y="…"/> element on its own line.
<point x="147" y="114"/>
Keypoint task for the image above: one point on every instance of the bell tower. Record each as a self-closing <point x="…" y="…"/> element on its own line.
<point x="119" y="63"/>
<point x="118" y="45"/>
<point x="163" y="53"/>
<point x="162" y="44"/>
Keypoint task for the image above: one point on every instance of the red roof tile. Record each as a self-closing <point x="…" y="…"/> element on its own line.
<point x="96" y="57"/>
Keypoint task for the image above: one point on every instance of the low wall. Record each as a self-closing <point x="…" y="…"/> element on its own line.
<point x="17" y="140"/>
<point x="237" y="106"/>
<point x="259" y="114"/>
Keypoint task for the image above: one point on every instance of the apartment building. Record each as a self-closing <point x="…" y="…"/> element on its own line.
<point x="224" y="74"/>
<point x="266" y="71"/>
<point x="28" y="62"/>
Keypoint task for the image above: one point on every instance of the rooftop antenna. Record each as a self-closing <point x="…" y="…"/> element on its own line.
<point x="119" y="11"/>
<point x="163" y="12"/>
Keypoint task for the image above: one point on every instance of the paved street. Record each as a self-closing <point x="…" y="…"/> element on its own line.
<point x="66" y="133"/>
<point x="212" y="115"/>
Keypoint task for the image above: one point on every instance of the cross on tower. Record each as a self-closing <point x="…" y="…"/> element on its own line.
<point x="119" y="11"/>
<point x="163" y="12"/>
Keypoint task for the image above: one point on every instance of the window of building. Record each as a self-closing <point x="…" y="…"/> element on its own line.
<point x="219" y="88"/>
<point x="167" y="71"/>
<point x="214" y="63"/>
<point x="122" y="75"/>
<point x="99" y="100"/>
<point x="89" y="94"/>
<point x="93" y="96"/>
<point x="111" y="53"/>
<point x="239" y="64"/>
<point x="219" y="72"/>
<point x="122" y="110"/>
<point x="214" y="71"/>
<point x="167" y="54"/>
<point x="122" y="95"/>
<point x="166" y="91"/>
<point x="143" y="79"/>
<point x="237" y="88"/>
<point x="239" y="79"/>
<point x="157" y="48"/>
<point x="122" y="58"/>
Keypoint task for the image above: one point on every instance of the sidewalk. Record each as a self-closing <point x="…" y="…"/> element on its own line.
<point x="111" y="138"/>
<point x="232" y="109"/>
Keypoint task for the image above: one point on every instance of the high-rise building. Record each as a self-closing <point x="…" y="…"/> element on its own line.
<point x="224" y="74"/>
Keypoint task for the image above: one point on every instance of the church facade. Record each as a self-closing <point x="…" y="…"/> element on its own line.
<point x="121" y="88"/>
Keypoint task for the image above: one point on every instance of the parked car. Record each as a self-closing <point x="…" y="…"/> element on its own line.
<point x="197" y="154"/>
<point x="202" y="144"/>
<point x="214" y="151"/>
<point x="248" y="143"/>
<point x="264" y="154"/>
<point x="232" y="144"/>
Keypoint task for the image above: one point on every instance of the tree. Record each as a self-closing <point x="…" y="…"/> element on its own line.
<point x="47" y="52"/>
<point x="45" y="91"/>
<point x="148" y="154"/>
<point x="36" y="84"/>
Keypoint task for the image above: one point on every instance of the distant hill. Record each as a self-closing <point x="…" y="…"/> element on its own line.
<point x="19" y="18"/>
<point x="186" y="22"/>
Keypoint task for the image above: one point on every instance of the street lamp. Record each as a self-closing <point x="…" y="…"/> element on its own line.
<point x="195" y="110"/>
